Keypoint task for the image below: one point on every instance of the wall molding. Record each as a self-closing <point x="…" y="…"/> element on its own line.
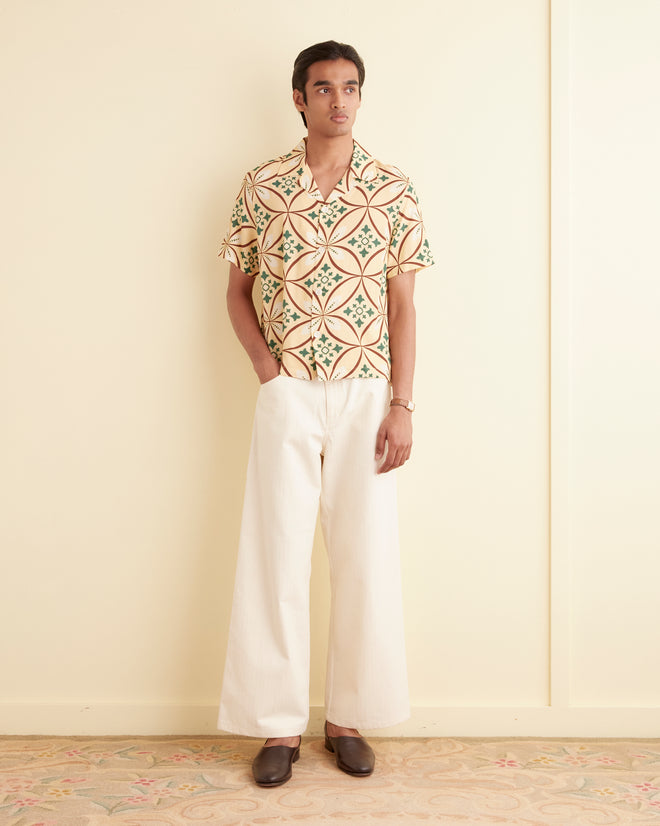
<point x="117" y="719"/>
<point x="560" y="354"/>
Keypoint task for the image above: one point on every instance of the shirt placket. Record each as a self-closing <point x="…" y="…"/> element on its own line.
<point x="321" y="340"/>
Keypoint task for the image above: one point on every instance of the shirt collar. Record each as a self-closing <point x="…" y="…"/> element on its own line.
<point x="362" y="168"/>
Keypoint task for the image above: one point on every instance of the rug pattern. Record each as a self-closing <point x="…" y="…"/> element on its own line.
<point x="175" y="781"/>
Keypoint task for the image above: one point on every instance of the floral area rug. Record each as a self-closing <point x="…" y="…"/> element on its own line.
<point x="174" y="781"/>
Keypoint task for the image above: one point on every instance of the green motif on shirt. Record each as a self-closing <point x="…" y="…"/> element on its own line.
<point x="364" y="240"/>
<point x="287" y="184"/>
<point x="289" y="313"/>
<point x="332" y="213"/>
<point x="324" y="280"/>
<point x="249" y="259"/>
<point x="268" y="287"/>
<point x="288" y="248"/>
<point x="359" y="311"/>
<point x="261" y="217"/>
<point x="239" y="214"/>
<point x="327" y="350"/>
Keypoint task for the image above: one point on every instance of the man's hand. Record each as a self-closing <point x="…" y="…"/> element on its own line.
<point x="267" y="369"/>
<point x="396" y="431"/>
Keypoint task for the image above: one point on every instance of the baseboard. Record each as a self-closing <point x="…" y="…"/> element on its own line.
<point x="98" y="719"/>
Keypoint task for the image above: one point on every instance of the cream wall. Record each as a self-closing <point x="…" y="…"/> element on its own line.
<point x="609" y="372"/>
<point x="127" y="402"/>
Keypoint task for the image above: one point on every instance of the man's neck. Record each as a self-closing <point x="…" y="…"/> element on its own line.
<point x="329" y="153"/>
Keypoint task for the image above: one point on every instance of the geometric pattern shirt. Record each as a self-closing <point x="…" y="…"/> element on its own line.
<point x="324" y="265"/>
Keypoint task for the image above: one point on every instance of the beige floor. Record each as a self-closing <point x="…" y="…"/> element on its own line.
<point x="172" y="781"/>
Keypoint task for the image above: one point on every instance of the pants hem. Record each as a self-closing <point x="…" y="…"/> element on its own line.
<point x="369" y="724"/>
<point x="250" y="731"/>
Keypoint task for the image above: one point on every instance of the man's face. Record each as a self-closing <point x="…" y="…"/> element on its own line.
<point x="333" y="98"/>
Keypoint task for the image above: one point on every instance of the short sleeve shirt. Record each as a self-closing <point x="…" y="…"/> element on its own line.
<point x="324" y="265"/>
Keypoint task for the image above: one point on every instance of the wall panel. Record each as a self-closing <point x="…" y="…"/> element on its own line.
<point x="615" y="342"/>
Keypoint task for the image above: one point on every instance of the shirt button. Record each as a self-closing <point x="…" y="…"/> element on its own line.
<point x="325" y="210"/>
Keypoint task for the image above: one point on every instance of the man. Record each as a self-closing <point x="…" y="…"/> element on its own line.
<point x="336" y="238"/>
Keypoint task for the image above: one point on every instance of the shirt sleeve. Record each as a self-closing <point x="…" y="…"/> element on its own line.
<point x="409" y="246"/>
<point x="240" y="245"/>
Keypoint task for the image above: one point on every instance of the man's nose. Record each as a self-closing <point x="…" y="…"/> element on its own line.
<point x="338" y="101"/>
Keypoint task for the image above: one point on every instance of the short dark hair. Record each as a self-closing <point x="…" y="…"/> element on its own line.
<point x="328" y="50"/>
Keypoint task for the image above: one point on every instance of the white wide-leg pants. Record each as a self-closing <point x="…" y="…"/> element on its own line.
<point x="314" y="441"/>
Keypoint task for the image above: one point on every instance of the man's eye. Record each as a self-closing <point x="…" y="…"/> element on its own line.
<point x="350" y="89"/>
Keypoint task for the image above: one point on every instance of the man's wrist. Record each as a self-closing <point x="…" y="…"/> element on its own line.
<point x="407" y="404"/>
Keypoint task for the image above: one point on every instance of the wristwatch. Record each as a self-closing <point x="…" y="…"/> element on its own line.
<point x="404" y="403"/>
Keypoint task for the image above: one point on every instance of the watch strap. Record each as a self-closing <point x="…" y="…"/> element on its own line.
<point x="409" y="405"/>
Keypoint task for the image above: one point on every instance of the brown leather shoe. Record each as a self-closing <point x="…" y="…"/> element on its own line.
<point x="354" y="755"/>
<point x="272" y="765"/>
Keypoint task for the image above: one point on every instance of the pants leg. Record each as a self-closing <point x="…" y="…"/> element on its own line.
<point x="366" y="680"/>
<point x="265" y="690"/>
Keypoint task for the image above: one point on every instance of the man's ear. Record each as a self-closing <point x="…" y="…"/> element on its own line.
<point x="298" y="100"/>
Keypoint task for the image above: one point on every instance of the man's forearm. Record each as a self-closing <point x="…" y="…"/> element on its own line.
<point x="395" y="431"/>
<point x="244" y="320"/>
<point x="402" y="329"/>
